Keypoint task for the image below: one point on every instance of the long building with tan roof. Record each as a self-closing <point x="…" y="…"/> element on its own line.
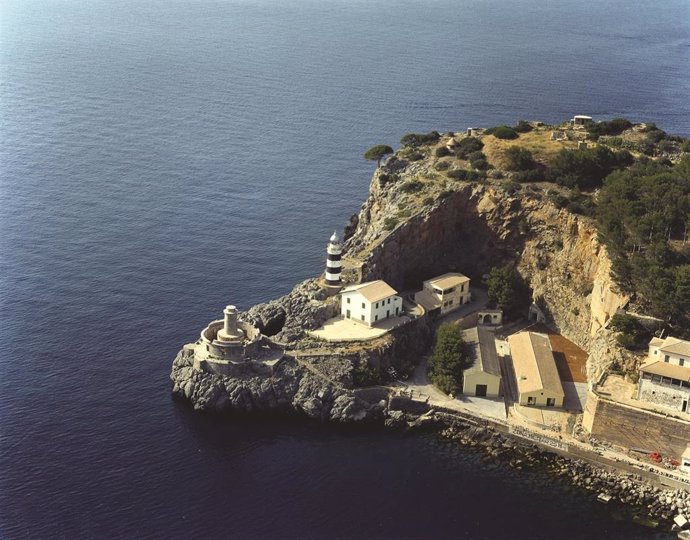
<point x="538" y="382"/>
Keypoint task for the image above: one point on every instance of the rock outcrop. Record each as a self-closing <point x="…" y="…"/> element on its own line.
<point x="292" y="387"/>
<point x="476" y="226"/>
<point x="306" y="307"/>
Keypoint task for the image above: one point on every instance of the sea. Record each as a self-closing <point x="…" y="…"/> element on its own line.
<point x="160" y="159"/>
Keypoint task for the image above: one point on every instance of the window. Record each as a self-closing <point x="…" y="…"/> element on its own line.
<point x="681" y="361"/>
<point x="462" y="288"/>
<point x="362" y="305"/>
<point x="348" y="300"/>
<point x="376" y="318"/>
<point x="376" y="305"/>
<point x="362" y="317"/>
<point x="666" y="358"/>
<point x="389" y="300"/>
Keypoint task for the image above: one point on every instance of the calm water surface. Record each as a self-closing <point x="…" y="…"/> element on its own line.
<point x="161" y="159"/>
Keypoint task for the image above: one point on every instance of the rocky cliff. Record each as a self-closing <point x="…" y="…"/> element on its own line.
<point x="417" y="223"/>
<point x="470" y="227"/>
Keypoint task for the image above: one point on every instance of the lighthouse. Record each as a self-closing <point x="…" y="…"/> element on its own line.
<point x="333" y="262"/>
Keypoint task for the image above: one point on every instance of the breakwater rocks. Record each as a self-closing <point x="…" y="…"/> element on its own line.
<point x="627" y="488"/>
<point x="291" y="387"/>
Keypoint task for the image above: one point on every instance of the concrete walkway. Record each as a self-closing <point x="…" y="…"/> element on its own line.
<point x="341" y="329"/>
<point x="421" y="388"/>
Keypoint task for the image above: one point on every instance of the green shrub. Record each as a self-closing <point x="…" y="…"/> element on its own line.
<point x="610" y="127"/>
<point x="560" y="201"/>
<point x="478" y="160"/>
<point x="467" y="145"/>
<point x="666" y="146"/>
<point x="533" y="175"/>
<point x="404" y="214"/>
<point x="411" y="186"/>
<point x="390" y="223"/>
<point x="523" y="126"/>
<point x="442" y="151"/>
<point x="418" y="139"/>
<point x="480" y="164"/>
<point x="502" y="132"/>
<point x="415" y="156"/>
<point x="463" y="174"/>
<point x="428" y="201"/>
<point x="510" y="187"/>
<point x="519" y="159"/>
<point x="365" y="375"/>
<point x="445" y="193"/>
<point x="442" y="166"/>
<point x="616" y="142"/>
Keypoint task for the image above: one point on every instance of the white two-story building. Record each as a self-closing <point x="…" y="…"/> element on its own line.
<point x="444" y="293"/>
<point x="371" y="302"/>
<point x="665" y="375"/>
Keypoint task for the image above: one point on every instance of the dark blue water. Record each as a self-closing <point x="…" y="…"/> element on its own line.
<point x="162" y="159"/>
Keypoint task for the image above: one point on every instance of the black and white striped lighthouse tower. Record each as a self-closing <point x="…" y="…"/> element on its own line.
<point x="333" y="262"/>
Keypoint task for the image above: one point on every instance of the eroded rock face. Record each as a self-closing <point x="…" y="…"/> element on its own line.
<point x="286" y="318"/>
<point x="479" y="226"/>
<point x="469" y="228"/>
<point x="291" y="388"/>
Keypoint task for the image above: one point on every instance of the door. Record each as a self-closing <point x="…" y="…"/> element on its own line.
<point x="347" y="314"/>
<point x="685" y="405"/>
<point x="388" y="313"/>
<point x="480" y="390"/>
<point x="531" y="401"/>
<point x="550" y="402"/>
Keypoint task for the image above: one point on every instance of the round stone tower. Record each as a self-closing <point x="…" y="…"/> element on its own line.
<point x="334" y="252"/>
<point x="230" y="332"/>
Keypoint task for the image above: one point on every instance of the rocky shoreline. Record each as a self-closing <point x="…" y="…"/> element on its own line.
<point x="626" y="488"/>
<point x="295" y="390"/>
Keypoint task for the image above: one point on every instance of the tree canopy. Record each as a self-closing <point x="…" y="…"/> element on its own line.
<point x="643" y="218"/>
<point x="586" y="168"/>
<point x="377" y="153"/>
<point x="507" y="290"/>
<point x="449" y="359"/>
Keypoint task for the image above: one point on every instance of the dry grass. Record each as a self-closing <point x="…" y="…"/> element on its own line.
<point x="538" y="142"/>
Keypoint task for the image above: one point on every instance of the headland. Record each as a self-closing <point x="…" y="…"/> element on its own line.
<point x="448" y="211"/>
